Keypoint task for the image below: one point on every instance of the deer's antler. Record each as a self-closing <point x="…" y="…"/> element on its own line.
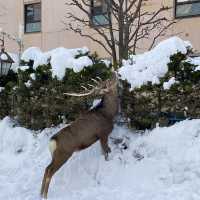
<point x="89" y="91"/>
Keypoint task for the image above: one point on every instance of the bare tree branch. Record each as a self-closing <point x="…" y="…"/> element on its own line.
<point x="160" y="33"/>
<point x="128" y="23"/>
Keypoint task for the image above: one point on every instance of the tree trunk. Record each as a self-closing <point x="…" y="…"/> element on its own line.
<point x="121" y="34"/>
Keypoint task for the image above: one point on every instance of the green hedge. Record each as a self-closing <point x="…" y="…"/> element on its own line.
<point x="37" y="101"/>
<point x="35" y="98"/>
<point x="145" y="106"/>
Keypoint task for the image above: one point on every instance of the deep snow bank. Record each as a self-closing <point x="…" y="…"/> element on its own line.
<point x="163" y="164"/>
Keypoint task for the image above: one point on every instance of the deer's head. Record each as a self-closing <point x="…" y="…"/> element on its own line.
<point x="98" y="87"/>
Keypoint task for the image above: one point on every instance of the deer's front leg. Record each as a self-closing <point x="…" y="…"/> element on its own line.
<point x="105" y="147"/>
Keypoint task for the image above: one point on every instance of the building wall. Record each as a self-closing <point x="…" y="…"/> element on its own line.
<point x="53" y="30"/>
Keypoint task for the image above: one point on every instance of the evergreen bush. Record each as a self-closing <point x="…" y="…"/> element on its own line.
<point x="7" y="83"/>
<point x="146" y="106"/>
<point x="39" y="99"/>
<point x="36" y="99"/>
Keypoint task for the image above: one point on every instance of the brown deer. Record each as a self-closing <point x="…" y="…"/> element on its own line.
<point x="89" y="127"/>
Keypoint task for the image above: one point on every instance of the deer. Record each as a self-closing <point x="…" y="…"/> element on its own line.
<point x="91" y="126"/>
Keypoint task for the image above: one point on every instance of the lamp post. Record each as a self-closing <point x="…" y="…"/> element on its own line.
<point x="5" y="60"/>
<point x="5" y="64"/>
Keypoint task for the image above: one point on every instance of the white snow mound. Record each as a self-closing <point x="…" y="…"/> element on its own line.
<point x="195" y="61"/>
<point x="162" y="164"/>
<point x="169" y="83"/>
<point x="60" y="59"/>
<point x="151" y="65"/>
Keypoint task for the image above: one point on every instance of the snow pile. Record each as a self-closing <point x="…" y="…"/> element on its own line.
<point x="195" y="61"/>
<point x="106" y="62"/>
<point x="1" y="89"/>
<point x="23" y="68"/>
<point x="35" y="54"/>
<point x="197" y="68"/>
<point x="152" y="65"/>
<point x="15" y="58"/>
<point x="168" y="84"/>
<point x="160" y="165"/>
<point x="59" y="58"/>
<point x="28" y="84"/>
<point x="33" y="76"/>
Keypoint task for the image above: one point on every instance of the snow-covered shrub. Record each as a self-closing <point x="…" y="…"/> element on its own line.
<point x="60" y="59"/>
<point x="176" y="91"/>
<point x="150" y="66"/>
<point x="39" y="95"/>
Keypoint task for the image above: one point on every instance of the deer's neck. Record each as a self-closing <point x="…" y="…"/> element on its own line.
<point x="110" y="105"/>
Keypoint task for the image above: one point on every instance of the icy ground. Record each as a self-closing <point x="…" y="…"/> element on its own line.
<point x="163" y="164"/>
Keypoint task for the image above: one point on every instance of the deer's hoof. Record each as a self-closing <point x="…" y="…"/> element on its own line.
<point x="107" y="157"/>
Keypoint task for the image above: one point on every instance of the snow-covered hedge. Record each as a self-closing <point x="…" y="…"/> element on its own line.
<point x="150" y="66"/>
<point x="36" y="99"/>
<point x="60" y="59"/>
<point x="164" y="79"/>
<point x="163" y="82"/>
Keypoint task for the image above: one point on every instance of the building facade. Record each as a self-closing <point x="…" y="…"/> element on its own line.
<point x="42" y="22"/>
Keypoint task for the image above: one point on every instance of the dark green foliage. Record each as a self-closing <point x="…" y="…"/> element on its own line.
<point x="144" y="106"/>
<point x="182" y="70"/>
<point x="6" y="100"/>
<point x="98" y="69"/>
<point x="39" y="99"/>
<point x="7" y="81"/>
<point x="175" y="63"/>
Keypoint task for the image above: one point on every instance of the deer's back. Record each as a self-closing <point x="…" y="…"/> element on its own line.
<point x="83" y="132"/>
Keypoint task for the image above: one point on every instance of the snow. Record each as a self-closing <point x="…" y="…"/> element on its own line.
<point x="79" y="63"/>
<point x="24" y="67"/>
<point x="95" y="103"/>
<point x="168" y="84"/>
<point x="152" y="65"/>
<point x="106" y="62"/>
<point x="197" y="68"/>
<point x="35" y="54"/>
<point x="28" y="84"/>
<point x="195" y="61"/>
<point x="15" y="58"/>
<point x="33" y="76"/>
<point x="59" y="58"/>
<point x="162" y="164"/>
<point x="1" y="89"/>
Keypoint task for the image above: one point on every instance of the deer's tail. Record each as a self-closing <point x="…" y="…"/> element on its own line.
<point x="52" y="146"/>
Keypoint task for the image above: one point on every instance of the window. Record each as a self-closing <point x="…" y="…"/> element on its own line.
<point x="32" y="16"/>
<point x="187" y="8"/>
<point x="99" y="14"/>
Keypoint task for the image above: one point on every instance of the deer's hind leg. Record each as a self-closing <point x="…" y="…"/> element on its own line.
<point x="57" y="161"/>
<point x="104" y="146"/>
<point x="43" y="182"/>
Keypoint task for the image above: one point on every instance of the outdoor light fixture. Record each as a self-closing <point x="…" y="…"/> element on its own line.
<point x="5" y="63"/>
<point x="5" y="60"/>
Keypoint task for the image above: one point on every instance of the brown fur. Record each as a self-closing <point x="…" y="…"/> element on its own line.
<point x="94" y="125"/>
